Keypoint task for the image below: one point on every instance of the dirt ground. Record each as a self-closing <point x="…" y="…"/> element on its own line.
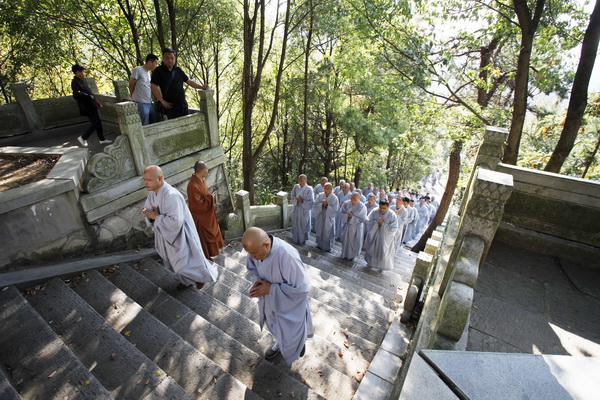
<point x="18" y="170"/>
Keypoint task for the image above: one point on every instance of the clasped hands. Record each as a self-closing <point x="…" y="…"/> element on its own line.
<point x="260" y="288"/>
<point x="150" y="214"/>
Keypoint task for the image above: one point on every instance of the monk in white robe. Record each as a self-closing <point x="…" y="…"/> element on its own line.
<point x="371" y="205"/>
<point x="343" y="196"/>
<point x="382" y="225"/>
<point x="281" y="286"/>
<point x="352" y="217"/>
<point x="324" y="211"/>
<point x="411" y="223"/>
<point x="316" y="191"/>
<point x="423" y="211"/>
<point x="303" y="201"/>
<point x="402" y="216"/>
<point x="175" y="235"/>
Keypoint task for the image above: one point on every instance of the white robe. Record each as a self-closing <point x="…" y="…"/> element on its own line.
<point x="381" y="251"/>
<point x="423" y="217"/>
<point x="325" y="220"/>
<point x="411" y="225"/>
<point x="338" y="224"/>
<point x="301" y="213"/>
<point x="286" y="309"/>
<point x="176" y="238"/>
<point x="352" y="229"/>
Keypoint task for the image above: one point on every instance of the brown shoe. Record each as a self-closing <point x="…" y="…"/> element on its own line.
<point x="199" y="285"/>
<point x="181" y="286"/>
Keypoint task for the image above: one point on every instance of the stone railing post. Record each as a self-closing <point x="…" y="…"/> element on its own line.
<point x="91" y="82"/>
<point x="282" y="201"/>
<point x="242" y="202"/>
<point x="19" y="90"/>
<point x="418" y="280"/>
<point x="131" y="126"/>
<point x="489" y="155"/>
<point x="482" y="214"/>
<point x="209" y="108"/>
<point x="122" y="91"/>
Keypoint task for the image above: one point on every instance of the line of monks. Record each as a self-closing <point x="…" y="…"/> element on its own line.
<point x="372" y="218"/>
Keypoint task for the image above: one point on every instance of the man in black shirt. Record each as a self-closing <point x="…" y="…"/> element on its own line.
<point x="170" y="79"/>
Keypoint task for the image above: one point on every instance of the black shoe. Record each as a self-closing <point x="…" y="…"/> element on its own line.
<point x="271" y="354"/>
<point x="303" y="351"/>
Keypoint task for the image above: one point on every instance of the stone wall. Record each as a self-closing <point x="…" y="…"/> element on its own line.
<point x="554" y="204"/>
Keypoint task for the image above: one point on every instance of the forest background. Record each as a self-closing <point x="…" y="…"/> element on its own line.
<point x="383" y="91"/>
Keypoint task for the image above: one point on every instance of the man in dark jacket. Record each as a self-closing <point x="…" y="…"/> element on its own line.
<point x="88" y="105"/>
<point x="170" y="79"/>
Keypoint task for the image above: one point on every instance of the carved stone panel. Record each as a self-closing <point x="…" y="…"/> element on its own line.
<point x="114" y="165"/>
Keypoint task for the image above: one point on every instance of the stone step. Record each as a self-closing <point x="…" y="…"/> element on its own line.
<point x="121" y="368"/>
<point x="384" y="283"/>
<point x="194" y="371"/>
<point x="247" y="366"/>
<point x="328" y="325"/>
<point x="343" y="287"/>
<point x="7" y="392"/>
<point x="38" y="363"/>
<point x="373" y="329"/>
<point x="237" y="277"/>
<point x="321" y="377"/>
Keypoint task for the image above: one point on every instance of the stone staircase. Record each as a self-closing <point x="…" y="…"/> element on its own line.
<point x="126" y="333"/>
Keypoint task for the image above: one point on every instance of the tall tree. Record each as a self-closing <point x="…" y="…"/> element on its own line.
<point x="579" y="93"/>
<point x="528" y="24"/>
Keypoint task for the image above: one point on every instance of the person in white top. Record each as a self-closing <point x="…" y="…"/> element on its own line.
<point x="139" y="88"/>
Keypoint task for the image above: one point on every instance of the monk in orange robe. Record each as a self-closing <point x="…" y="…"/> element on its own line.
<point x="202" y="206"/>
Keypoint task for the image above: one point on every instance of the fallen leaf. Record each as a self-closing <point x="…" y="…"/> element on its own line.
<point x="293" y="394"/>
<point x="86" y="383"/>
<point x="253" y="364"/>
<point x="112" y="357"/>
<point x="116" y="306"/>
<point x="177" y="316"/>
<point x="127" y="333"/>
<point x="157" y="373"/>
<point x="340" y="355"/>
<point x="202" y="349"/>
<point x="358" y="378"/>
<point x="345" y="333"/>
<point x="320" y="373"/>
<point x="52" y="374"/>
<point x="346" y="343"/>
<point x="138" y="381"/>
<point x="214" y="380"/>
<point x="147" y="381"/>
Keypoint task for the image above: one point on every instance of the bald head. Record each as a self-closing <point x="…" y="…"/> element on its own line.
<point x="153" y="178"/>
<point x="257" y="243"/>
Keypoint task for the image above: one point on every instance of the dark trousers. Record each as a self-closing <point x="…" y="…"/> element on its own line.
<point x="95" y="126"/>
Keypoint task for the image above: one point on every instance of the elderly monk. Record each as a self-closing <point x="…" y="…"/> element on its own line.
<point x="352" y="215"/>
<point x="281" y="286"/>
<point x="175" y="236"/>
<point x="303" y="201"/>
<point x="325" y="209"/>
<point x="202" y="206"/>
<point x="380" y="250"/>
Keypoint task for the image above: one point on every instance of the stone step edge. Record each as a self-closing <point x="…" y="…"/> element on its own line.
<point x="382" y="320"/>
<point x="160" y="325"/>
<point x="32" y="276"/>
<point x="311" y="392"/>
<point x="385" y="300"/>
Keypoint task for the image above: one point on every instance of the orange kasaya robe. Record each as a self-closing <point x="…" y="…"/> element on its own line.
<point x="202" y="206"/>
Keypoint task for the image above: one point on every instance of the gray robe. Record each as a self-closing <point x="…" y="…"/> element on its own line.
<point x="325" y="220"/>
<point x="342" y="199"/>
<point x="301" y="213"/>
<point x="402" y="217"/>
<point x="286" y="309"/>
<point x="176" y="238"/>
<point x="352" y="229"/>
<point x="381" y="252"/>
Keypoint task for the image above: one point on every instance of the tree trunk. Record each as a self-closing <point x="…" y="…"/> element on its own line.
<point x="528" y="25"/>
<point x="579" y="93"/>
<point x="160" y="32"/>
<point x="303" y="159"/>
<point x="590" y="158"/>
<point x="453" y="175"/>
<point x="172" y="24"/>
<point x="486" y="60"/>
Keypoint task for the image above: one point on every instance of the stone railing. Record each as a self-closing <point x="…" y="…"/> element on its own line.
<point x="268" y="217"/>
<point x="30" y="118"/>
